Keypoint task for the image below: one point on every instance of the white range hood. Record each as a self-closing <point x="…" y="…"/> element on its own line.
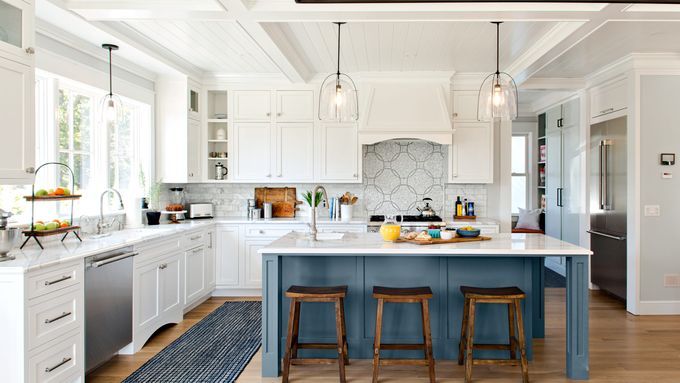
<point x="406" y="110"/>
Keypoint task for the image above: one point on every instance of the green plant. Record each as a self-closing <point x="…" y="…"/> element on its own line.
<point x="308" y="197"/>
<point x="155" y="195"/>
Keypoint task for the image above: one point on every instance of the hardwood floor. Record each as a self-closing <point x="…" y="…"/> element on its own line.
<point x="623" y="349"/>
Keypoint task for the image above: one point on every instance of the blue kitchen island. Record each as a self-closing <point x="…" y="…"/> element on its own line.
<point x="364" y="260"/>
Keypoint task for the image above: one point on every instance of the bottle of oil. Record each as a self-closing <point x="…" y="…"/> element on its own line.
<point x="459" y="207"/>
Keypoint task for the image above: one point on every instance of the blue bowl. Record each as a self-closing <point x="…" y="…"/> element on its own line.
<point x="468" y="233"/>
<point x="434" y="233"/>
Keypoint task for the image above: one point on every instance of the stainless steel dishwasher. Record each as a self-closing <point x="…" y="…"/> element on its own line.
<point x="108" y="305"/>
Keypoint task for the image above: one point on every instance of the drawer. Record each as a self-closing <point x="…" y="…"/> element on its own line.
<point x="156" y="249"/>
<point x="194" y="239"/>
<point x="62" y="362"/>
<point x="341" y="228"/>
<point x="272" y="232"/>
<point x="54" y="279"/>
<point x="54" y="315"/>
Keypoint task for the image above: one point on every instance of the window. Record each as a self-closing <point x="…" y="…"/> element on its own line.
<point x="520" y="173"/>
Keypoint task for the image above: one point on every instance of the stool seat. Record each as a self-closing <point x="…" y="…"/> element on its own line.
<point x="316" y="291"/>
<point x="380" y="292"/>
<point x="493" y="292"/>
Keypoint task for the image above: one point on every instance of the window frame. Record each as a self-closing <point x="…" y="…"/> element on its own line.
<point x="527" y="169"/>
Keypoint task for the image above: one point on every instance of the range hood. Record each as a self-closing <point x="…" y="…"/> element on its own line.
<point x="406" y="110"/>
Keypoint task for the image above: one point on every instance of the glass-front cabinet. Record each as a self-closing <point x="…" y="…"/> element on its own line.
<point x="16" y="30"/>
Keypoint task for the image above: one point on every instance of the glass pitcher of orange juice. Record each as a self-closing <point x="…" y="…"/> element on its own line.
<point x="391" y="228"/>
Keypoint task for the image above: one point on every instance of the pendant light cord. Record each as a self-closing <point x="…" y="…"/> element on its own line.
<point x="110" y="75"/>
<point x="498" y="44"/>
<point x="339" y="25"/>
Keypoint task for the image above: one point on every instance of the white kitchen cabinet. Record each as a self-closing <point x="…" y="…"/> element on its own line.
<point x="228" y="256"/>
<point x="607" y="100"/>
<point x="252" y="106"/>
<point x="464" y="105"/>
<point x="294" y="106"/>
<point x="194" y="275"/>
<point x="472" y="154"/>
<point x="253" y="261"/>
<point x="294" y="161"/>
<point x="252" y="159"/>
<point x="194" y="101"/>
<point x="194" y="151"/>
<point x="170" y="282"/>
<point x="338" y="153"/>
<point x="146" y="297"/>
<point x="17" y="158"/>
<point x="210" y="271"/>
<point x="17" y="22"/>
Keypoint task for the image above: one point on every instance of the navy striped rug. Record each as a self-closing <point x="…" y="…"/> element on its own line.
<point x="216" y="349"/>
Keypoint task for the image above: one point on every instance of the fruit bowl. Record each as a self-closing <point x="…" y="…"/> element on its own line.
<point x="468" y="233"/>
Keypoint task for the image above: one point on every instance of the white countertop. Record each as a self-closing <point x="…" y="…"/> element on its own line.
<point x="372" y="244"/>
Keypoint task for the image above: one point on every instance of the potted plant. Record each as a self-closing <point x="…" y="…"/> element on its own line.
<point x="308" y="198"/>
<point x="153" y="216"/>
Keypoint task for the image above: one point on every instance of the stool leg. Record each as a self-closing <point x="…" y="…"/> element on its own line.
<point x="522" y="342"/>
<point x="463" y="328"/>
<point x="296" y="329"/>
<point x="427" y="338"/>
<point x="469" y="341"/>
<point x="344" y="331"/>
<point x="376" y="342"/>
<point x="340" y="341"/>
<point x="511" y="330"/>
<point x="289" y="340"/>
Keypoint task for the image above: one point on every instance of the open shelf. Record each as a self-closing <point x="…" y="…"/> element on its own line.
<point x="217" y="158"/>
<point x="218" y="141"/>
<point x="70" y="197"/>
<point x="218" y="120"/>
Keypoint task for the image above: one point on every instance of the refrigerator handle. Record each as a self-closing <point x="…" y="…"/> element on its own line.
<point x="601" y="234"/>
<point x="605" y="171"/>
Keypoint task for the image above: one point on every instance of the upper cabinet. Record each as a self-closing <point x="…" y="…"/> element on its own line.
<point x="193" y="101"/>
<point x="17" y="76"/>
<point x="252" y="151"/>
<point x="338" y="153"/>
<point x="294" y="150"/>
<point x="252" y="106"/>
<point x="608" y="101"/>
<point x="294" y="106"/>
<point x="464" y="105"/>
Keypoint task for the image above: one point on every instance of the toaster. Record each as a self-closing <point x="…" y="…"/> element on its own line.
<point x="200" y="210"/>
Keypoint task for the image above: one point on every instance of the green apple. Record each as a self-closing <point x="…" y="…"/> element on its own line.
<point x="52" y="226"/>
<point x="67" y="191"/>
<point x="41" y="193"/>
<point x="38" y="227"/>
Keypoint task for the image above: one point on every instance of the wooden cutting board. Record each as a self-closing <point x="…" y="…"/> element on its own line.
<point x="284" y="200"/>
<point x="439" y="241"/>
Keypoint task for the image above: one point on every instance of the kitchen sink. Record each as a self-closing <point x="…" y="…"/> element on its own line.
<point x="329" y="236"/>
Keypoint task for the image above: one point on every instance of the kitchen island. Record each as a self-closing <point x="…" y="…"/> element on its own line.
<point x="364" y="260"/>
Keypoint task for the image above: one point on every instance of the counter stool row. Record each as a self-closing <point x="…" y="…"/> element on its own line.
<point x="511" y="296"/>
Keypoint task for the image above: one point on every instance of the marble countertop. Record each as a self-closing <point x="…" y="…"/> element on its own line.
<point x="372" y="244"/>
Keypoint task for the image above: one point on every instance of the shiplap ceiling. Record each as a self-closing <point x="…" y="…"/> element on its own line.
<point x="214" y="46"/>
<point x="412" y="46"/>
<point x="613" y="41"/>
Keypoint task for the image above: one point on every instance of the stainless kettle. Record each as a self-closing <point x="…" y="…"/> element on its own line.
<point x="220" y="171"/>
<point x="427" y="210"/>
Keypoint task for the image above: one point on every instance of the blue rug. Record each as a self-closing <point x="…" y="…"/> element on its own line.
<point x="216" y="349"/>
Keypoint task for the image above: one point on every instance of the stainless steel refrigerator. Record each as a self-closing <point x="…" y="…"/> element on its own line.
<point x="608" y="193"/>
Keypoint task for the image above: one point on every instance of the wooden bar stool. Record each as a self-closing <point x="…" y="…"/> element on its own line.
<point x="511" y="296"/>
<point x="299" y="294"/>
<point x="403" y="295"/>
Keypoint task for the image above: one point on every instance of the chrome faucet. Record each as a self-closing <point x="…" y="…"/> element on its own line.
<point x="101" y="225"/>
<point x="312" y="225"/>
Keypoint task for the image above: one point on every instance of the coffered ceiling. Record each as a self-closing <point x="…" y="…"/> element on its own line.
<point x="297" y="42"/>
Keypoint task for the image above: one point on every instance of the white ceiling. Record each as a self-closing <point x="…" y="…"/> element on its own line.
<point x="611" y="42"/>
<point x="412" y="46"/>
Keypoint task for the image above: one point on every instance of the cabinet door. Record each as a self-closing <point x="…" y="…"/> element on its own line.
<point x="472" y="153"/>
<point x="252" y="157"/>
<point x="552" y="118"/>
<point x="210" y="272"/>
<point x="170" y="284"/>
<point x="228" y="260"/>
<point x="194" y="275"/>
<point x="17" y="23"/>
<point x="571" y="184"/>
<point x="252" y="105"/>
<point x="465" y="105"/>
<point x="339" y="153"/>
<point x="146" y="295"/>
<point x="194" y="151"/>
<point x="570" y="113"/>
<point x="253" y="262"/>
<point x="294" y="152"/>
<point x="17" y="157"/>
<point x="294" y="106"/>
<point x="608" y="99"/>
<point x="194" y="102"/>
<point x="553" y="182"/>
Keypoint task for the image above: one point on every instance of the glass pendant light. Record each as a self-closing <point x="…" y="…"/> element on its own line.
<point x="498" y="93"/>
<point x="110" y="105"/>
<point x="338" y="97"/>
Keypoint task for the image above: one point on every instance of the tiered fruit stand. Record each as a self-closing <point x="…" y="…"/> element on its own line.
<point x="35" y="234"/>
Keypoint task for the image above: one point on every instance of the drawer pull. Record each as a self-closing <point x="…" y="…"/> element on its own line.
<point x="163" y="266"/>
<point x="261" y="232"/>
<point x="195" y="237"/>
<point x="63" y="362"/>
<point x="63" y="315"/>
<point x="197" y="250"/>
<point x="64" y="278"/>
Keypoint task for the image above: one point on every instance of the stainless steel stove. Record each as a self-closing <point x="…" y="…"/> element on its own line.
<point x="409" y="223"/>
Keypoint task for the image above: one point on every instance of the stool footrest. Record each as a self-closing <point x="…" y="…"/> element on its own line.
<point x="318" y="346"/>
<point x="492" y="346"/>
<point x="498" y="362"/>
<point x="406" y="346"/>
<point x="307" y="361"/>
<point x="407" y="362"/>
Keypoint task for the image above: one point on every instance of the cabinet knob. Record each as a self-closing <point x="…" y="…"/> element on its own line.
<point x="455" y="115"/>
<point x="268" y="114"/>
<point x="261" y="231"/>
<point x="30" y="50"/>
<point x="269" y="176"/>
<point x="30" y="170"/>
<point x="354" y="175"/>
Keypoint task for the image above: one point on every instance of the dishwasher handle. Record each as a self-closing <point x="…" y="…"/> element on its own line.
<point x="115" y="258"/>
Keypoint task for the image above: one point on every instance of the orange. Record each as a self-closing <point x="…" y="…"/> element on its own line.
<point x="64" y="224"/>
<point x="59" y="191"/>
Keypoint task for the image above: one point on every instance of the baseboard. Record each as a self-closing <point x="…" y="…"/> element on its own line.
<point x="197" y="303"/>
<point x="556" y="267"/>
<point x="237" y="292"/>
<point x="659" y="308"/>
